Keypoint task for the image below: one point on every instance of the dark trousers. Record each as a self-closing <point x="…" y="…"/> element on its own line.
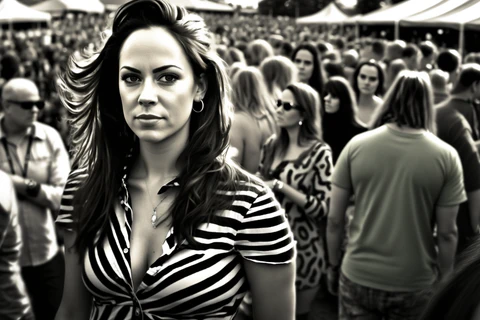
<point x="45" y="286"/>
<point x="357" y="302"/>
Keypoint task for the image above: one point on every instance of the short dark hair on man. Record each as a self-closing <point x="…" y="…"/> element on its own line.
<point x="448" y="60"/>
<point x="378" y="47"/>
<point x="427" y="48"/>
<point x="469" y="74"/>
<point x="410" y="50"/>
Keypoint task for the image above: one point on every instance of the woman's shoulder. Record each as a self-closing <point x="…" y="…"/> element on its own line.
<point x="378" y="101"/>
<point x="244" y="183"/>
<point x="319" y="145"/>
<point x="245" y="123"/>
<point x="243" y="117"/>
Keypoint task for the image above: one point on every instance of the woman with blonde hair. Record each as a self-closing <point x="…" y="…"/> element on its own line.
<point x="297" y="165"/>
<point x="254" y="119"/>
<point x="258" y="50"/>
<point x="278" y="72"/>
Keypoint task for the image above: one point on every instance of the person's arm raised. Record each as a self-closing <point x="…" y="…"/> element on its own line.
<point x="76" y="300"/>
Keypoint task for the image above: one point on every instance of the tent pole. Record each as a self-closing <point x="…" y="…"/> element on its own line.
<point x="357" y="30"/>
<point x="397" y="30"/>
<point x="10" y="29"/>
<point x="461" y="39"/>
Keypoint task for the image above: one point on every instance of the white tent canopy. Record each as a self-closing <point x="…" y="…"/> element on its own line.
<point x="402" y="10"/>
<point x="89" y="6"/>
<point x="12" y="11"/>
<point x="198" y="5"/>
<point x="59" y="6"/>
<point x="51" y="6"/>
<point x="329" y="14"/>
<point x="456" y="17"/>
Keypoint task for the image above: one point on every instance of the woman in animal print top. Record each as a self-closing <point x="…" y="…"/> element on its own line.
<point x="297" y="165"/>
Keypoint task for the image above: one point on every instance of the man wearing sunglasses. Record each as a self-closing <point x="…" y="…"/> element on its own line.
<point x="35" y="158"/>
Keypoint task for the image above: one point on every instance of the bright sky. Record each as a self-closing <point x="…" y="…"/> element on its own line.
<point x="348" y="3"/>
<point x="244" y="3"/>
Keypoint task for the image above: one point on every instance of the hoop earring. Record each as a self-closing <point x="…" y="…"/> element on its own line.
<point x="201" y="109"/>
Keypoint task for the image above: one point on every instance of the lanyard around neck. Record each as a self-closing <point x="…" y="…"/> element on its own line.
<point x="27" y="154"/>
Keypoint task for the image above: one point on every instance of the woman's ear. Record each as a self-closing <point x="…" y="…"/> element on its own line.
<point x="202" y="86"/>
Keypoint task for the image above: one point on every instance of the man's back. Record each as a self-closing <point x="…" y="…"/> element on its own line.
<point x="398" y="178"/>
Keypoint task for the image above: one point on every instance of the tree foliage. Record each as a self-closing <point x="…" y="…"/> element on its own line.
<point x="301" y="8"/>
<point x="366" y="6"/>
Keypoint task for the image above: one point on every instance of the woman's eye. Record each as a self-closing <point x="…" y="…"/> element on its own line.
<point x="363" y="77"/>
<point x="130" y="78"/>
<point x="169" y="78"/>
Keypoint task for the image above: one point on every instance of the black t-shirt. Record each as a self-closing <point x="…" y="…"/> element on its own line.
<point x="337" y="133"/>
<point x="453" y="128"/>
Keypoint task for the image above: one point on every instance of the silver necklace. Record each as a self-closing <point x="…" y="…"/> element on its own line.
<point x="154" y="218"/>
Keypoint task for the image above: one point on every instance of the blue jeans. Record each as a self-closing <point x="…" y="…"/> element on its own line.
<point x="364" y="303"/>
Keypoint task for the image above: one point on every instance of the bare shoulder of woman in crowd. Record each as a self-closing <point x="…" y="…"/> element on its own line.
<point x="158" y="221"/>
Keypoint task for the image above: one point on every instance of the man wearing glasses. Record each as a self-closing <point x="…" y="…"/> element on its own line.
<point x="35" y="158"/>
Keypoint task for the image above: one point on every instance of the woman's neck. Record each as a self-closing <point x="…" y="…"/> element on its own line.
<point x="162" y="159"/>
<point x="366" y="100"/>
<point x="293" y="133"/>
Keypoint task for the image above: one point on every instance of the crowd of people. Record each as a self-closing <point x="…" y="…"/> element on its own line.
<point x="156" y="164"/>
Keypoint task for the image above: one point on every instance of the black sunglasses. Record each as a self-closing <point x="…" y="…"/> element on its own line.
<point x="287" y="105"/>
<point x="28" y="105"/>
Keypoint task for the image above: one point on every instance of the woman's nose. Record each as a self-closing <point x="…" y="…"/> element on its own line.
<point x="148" y="95"/>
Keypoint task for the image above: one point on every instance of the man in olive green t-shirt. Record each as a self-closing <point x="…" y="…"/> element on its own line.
<point x="404" y="183"/>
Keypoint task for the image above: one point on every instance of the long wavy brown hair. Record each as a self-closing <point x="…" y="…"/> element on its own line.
<point x="310" y="130"/>
<point x="101" y="138"/>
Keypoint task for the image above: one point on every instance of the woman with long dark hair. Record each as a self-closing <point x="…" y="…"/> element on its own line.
<point x="368" y="84"/>
<point x="309" y="64"/>
<point x="297" y="165"/>
<point x="159" y="222"/>
<point x="340" y="121"/>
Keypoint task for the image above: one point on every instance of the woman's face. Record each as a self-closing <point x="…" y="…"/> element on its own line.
<point x="157" y="85"/>
<point x="367" y="80"/>
<point x="290" y="118"/>
<point x="304" y="62"/>
<point x="332" y="104"/>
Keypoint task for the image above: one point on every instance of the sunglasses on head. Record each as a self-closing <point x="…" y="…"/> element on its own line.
<point x="287" y="105"/>
<point x="28" y="105"/>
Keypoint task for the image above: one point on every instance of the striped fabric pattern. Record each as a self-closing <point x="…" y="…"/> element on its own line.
<point x="185" y="283"/>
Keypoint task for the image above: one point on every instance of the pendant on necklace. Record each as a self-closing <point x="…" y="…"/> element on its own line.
<point x="154" y="218"/>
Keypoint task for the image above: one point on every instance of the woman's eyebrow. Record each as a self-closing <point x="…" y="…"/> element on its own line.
<point x="159" y="69"/>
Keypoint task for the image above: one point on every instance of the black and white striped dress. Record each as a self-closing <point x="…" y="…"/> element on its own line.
<point x="185" y="283"/>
